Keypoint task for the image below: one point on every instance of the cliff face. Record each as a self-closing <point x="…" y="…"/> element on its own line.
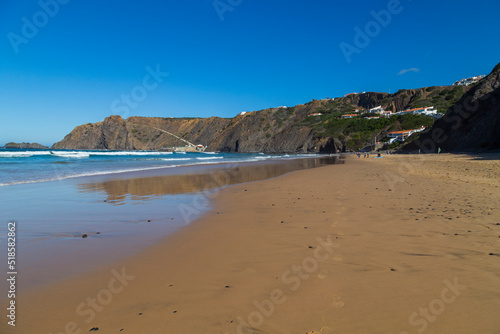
<point x="25" y="146"/>
<point x="473" y="123"/>
<point x="273" y="130"/>
<point x="269" y="130"/>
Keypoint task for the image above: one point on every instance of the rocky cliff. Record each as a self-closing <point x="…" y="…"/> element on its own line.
<point x="270" y="130"/>
<point x="473" y="123"/>
<point x="273" y="130"/>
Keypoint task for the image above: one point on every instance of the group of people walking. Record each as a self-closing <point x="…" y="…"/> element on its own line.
<point x="365" y="155"/>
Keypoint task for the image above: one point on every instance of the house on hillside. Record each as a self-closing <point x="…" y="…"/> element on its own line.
<point x="402" y="135"/>
<point x="427" y="111"/>
<point x="348" y="116"/>
<point x="376" y="110"/>
<point x="468" y="81"/>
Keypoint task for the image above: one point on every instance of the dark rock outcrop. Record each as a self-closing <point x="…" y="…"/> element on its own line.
<point x="25" y="146"/>
<point x="473" y="123"/>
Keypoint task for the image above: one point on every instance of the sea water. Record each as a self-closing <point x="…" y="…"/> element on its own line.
<point x="27" y="166"/>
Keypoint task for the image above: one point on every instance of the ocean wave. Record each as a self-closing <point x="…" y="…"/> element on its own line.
<point x="130" y="153"/>
<point x="84" y="174"/>
<point x="22" y="154"/>
<point x="175" y="159"/>
<point x="76" y="153"/>
<point x="209" y="158"/>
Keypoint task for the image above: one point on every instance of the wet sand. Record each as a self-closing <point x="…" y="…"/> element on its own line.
<point x="403" y="244"/>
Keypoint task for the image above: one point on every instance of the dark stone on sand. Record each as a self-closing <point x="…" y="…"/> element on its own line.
<point x="174" y="312"/>
<point x="311" y="247"/>
<point x="491" y="254"/>
<point x="305" y="227"/>
<point x="140" y="313"/>
<point x="94" y="329"/>
<point x="98" y="233"/>
<point x="392" y="269"/>
<point x="84" y="236"/>
<point x="282" y="222"/>
<point x="149" y="220"/>
<point x="228" y="286"/>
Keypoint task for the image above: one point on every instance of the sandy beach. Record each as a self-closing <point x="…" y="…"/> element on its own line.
<point x="403" y="244"/>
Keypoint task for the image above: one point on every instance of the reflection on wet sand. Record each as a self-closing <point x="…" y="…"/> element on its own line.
<point x="141" y="189"/>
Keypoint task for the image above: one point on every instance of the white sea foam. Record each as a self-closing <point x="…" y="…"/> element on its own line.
<point x="175" y="159"/>
<point x="95" y="173"/>
<point x="210" y="158"/>
<point x="77" y="153"/>
<point x="21" y="154"/>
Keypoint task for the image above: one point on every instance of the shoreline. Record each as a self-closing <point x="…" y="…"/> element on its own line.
<point x="233" y="268"/>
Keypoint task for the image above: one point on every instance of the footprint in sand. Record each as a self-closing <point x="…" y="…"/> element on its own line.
<point x="324" y="330"/>
<point x="323" y="274"/>
<point x="337" y="302"/>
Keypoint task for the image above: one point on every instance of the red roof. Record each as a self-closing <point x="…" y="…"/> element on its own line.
<point x="398" y="132"/>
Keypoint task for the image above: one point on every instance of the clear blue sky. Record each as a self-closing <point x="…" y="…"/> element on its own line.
<point x="262" y="54"/>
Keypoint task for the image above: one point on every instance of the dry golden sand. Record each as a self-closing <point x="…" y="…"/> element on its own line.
<point x="412" y="239"/>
